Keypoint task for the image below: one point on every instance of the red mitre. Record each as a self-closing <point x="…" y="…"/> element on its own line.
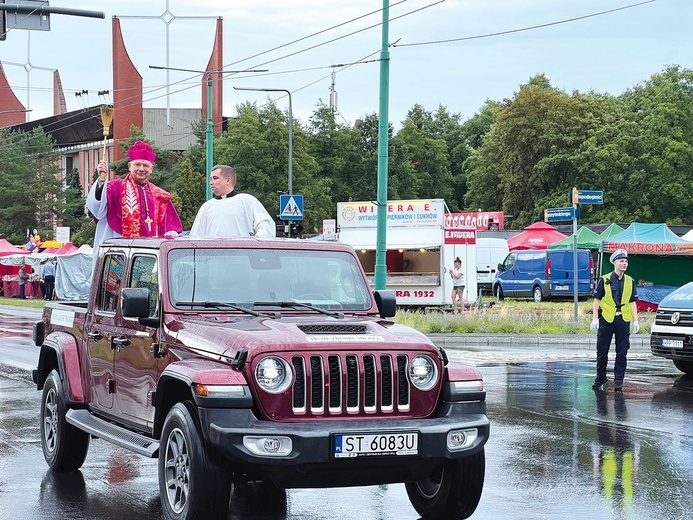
<point x="143" y="151"/>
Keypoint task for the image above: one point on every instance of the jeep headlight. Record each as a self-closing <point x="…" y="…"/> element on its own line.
<point x="273" y="374"/>
<point x="423" y="372"/>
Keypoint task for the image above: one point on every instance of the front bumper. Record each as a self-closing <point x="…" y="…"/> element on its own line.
<point x="658" y="348"/>
<point x="311" y="442"/>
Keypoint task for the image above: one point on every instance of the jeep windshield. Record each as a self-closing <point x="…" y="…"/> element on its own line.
<point x="330" y="280"/>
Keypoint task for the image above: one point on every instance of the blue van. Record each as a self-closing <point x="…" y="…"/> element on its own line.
<point x="544" y="274"/>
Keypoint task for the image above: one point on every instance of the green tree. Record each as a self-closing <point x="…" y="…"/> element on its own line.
<point x="190" y="193"/>
<point x="73" y="211"/>
<point x="256" y="145"/>
<point x="29" y="165"/>
<point x="426" y="139"/>
<point x="532" y="156"/>
<point x="661" y="110"/>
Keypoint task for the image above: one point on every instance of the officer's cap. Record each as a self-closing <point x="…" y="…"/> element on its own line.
<point x="619" y="253"/>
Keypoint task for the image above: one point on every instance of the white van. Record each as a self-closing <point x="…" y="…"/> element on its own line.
<point x="489" y="253"/>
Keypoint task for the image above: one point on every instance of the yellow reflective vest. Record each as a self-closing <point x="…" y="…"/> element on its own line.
<point x="607" y="304"/>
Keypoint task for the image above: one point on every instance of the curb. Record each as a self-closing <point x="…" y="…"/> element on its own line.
<point x="584" y="342"/>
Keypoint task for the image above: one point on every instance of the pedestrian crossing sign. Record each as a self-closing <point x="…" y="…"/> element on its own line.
<point x="291" y="207"/>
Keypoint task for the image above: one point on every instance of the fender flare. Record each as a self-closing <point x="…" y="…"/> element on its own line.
<point x="177" y="380"/>
<point x="65" y="349"/>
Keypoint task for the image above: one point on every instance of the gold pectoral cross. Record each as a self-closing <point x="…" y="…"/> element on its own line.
<point x="148" y="221"/>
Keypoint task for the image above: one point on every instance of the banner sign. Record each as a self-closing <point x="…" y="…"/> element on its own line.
<point x="457" y="236"/>
<point x="482" y="220"/>
<point x="400" y="213"/>
<point x="653" y="249"/>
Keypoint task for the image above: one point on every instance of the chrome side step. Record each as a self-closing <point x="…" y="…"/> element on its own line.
<point x="110" y="432"/>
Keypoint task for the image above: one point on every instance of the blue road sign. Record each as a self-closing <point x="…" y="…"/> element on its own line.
<point x="291" y="207"/>
<point x="587" y="197"/>
<point x="559" y="214"/>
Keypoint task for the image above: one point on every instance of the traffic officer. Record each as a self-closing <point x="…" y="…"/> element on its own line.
<point x="613" y="309"/>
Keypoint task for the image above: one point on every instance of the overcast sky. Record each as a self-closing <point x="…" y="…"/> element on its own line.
<point x="607" y="53"/>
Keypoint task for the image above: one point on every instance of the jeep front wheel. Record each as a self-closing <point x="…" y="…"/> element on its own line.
<point x="64" y="445"/>
<point x="191" y="484"/>
<point x="452" y="491"/>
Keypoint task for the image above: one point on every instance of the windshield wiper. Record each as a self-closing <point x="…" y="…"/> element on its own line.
<point x="208" y="305"/>
<point x="291" y="303"/>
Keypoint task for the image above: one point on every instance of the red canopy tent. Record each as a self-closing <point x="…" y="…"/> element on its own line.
<point x="537" y="236"/>
<point x="66" y="249"/>
<point x="7" y="249"/>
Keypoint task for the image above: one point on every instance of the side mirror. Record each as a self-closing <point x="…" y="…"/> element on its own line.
<point x="501" y="268"/>
<point x="135" y="304"/>
<point x="386" y="302"/>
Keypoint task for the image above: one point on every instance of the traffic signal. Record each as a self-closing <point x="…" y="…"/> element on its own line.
<point x="296" y="228"/>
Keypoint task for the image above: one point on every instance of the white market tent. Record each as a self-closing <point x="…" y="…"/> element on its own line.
<point x="72" y="273"/>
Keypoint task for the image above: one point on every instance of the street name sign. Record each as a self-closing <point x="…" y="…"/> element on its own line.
<point x="587" y="197"/>
<point x="559" y="214"/>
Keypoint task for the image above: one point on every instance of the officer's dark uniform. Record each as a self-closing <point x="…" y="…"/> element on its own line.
<point x="613" y="307"/>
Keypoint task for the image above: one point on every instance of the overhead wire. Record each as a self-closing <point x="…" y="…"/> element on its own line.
<point x="530" y="28"/>
<point x="234" y="77"/>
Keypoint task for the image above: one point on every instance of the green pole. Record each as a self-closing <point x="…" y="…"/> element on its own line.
<point x="383" y="119"/>
<point x="210" y="137"/>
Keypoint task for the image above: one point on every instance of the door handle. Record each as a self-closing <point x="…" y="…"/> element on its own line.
<point x="95" y="336"/>
<point x="120" y="342"/>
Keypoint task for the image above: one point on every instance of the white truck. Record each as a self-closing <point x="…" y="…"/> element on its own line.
<point x="489" y="253"/>
<point x="421" y="248"/>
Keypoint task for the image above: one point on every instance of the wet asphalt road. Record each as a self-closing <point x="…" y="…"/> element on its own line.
<point x="558" y="449"/>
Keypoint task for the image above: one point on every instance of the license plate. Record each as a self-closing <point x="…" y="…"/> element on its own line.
<point x="369" y="445"/>
<point x="672" y="343"/>
<point x="561" y="288"/>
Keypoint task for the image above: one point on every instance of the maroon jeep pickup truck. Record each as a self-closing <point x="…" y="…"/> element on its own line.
<point x="256" y="362"/>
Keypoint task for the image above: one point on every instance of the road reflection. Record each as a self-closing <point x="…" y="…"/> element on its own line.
<point x="558" y="449"/>
<point x="15" y="326"/>
<point x="587" y="454"/>
<point x="616" y="456"/>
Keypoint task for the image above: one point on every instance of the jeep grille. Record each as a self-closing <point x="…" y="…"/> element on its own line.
<point x="351" y="384"/>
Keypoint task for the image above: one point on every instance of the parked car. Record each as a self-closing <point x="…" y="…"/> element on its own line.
<point x="544" y="274"/>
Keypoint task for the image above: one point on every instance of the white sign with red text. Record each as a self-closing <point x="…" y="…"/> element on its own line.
<point x="400" y="213"/>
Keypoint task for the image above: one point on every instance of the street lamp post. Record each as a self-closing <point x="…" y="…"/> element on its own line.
<point x="291" y="136"/>
<point x="209" y="153"/>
